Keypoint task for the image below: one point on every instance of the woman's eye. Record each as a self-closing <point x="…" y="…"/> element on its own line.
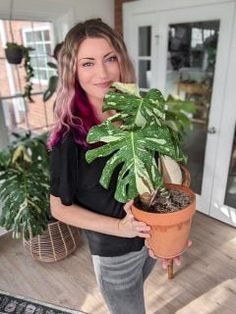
<point x="87" y="64"/>
<point x="112" y="59"/>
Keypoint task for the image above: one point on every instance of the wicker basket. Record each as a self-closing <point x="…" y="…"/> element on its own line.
<point x="57" y="242"/>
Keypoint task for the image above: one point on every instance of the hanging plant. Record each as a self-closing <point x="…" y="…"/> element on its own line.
<point x="14" y="53"/>
<point x="29" y="71"/>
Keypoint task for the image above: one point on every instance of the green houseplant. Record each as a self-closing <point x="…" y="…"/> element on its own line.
<point x="52" y="83"/>
<point x="147" y="128"/>
<point x="24" y="193"/>
<point x="14" y="55"/>
<point x="53" y="80"/>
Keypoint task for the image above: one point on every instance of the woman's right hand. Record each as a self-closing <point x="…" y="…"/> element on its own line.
<point x="129" y="227"/>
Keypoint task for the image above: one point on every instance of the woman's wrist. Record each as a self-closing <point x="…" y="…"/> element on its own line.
<point x="119" y="226"/>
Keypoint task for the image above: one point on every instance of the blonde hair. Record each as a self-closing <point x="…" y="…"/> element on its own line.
<point x="65" y="115"/>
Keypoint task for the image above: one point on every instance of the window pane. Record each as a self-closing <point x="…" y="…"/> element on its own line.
<point x="48" y="49"/>
<point x="46" y="35"/>
<point x="40" y="49"/>
<point x="38" y="36"/>
<point x="144" y="73"/>
<point x="192" y="49"/>
<point x="145" y="41"/>
<point x="29" y="36"/>
<point x="39" y="62"/>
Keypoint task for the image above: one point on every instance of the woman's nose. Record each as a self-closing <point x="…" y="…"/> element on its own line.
<point x="102" y="70"/>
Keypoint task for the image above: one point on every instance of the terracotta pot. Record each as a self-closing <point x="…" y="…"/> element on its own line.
<point x="170" y="231"/>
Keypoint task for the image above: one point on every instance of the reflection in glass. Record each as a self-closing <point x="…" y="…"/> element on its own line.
<point x="192" y="49"/>
<point x="230" y="195"/>
<point x="144" y="41"/>
<point x="144" y="73"/>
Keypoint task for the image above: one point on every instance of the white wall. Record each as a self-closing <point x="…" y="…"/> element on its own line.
<point x="64" y="13"/>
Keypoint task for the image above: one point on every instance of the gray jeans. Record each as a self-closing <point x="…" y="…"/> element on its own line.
<point x="121" y="280"/>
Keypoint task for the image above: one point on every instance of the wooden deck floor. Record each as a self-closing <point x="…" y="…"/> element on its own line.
<point x="204" y="283"/>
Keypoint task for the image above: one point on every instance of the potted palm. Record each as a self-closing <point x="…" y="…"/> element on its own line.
<point x="24" y="193"/>
<point x="143" y="130"/>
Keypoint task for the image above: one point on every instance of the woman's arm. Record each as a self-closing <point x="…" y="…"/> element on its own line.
<point x="83" y="218"/>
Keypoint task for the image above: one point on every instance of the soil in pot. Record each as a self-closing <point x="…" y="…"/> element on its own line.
<point x="176" y="201"/>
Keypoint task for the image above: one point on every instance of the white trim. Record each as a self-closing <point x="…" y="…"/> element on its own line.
<point x="17" y="103"/>
<point x="37" y="29"/>
<point x="168" y="12"/>
<point x="152" y="6"/>
<point x="218" y="209"/>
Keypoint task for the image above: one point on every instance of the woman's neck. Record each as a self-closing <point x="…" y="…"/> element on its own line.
<point x="97" y="109"/>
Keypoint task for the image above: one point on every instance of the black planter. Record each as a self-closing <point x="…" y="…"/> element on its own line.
<point x="14" y="55"/>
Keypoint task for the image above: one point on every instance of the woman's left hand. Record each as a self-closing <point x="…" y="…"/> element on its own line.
<point x="165" y="261"/>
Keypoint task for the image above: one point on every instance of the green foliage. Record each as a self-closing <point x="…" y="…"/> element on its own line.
<point x="24" y="186"/>
<point x="29" y="73"/>
<point x="52" y="86"/>
<point x="143" y="134"/>
<point x="13" y="45"/>
<point x="178" y="115"/>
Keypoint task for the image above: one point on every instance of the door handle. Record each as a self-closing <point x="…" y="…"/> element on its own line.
<point x="211" y="130"/>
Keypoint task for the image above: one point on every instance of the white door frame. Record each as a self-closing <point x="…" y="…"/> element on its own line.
<point x="218" y="209"/>
<point x="159" y="21"/>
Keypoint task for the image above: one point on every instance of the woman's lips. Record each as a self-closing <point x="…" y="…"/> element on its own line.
<point x="103" y="85"/>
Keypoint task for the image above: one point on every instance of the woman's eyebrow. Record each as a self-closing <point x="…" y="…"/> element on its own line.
<point x="89" y="58"/>
<point x="108" y="54"/>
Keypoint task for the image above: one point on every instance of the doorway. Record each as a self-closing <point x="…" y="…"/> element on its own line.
<point x="186" y="53"/>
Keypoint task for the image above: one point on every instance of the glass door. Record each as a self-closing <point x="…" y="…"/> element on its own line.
<point x="190" y="61"/>
<point x="190" y="69"/>
<point x="185" y="52"/>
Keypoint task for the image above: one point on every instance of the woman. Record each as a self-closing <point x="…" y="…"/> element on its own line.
<point x="92" y="57"/>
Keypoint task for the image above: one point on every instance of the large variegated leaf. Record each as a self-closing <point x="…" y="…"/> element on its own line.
<point x="135" y="111"/>
<point x="129" y="88"/>
<point x="24" y="186"/>
<point x="134" y="152"/>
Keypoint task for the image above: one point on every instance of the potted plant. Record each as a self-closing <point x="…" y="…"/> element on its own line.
<point x="143" y="129"/>
<point x="24" y="193"/>
<point x="29" y="73"/>
<point x="14" y="55"/>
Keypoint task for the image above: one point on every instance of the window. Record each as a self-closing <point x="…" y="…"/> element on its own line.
<point x="40" y="40"/>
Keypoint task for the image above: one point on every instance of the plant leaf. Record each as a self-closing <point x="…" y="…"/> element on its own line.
<point x="135" y="111"/>
<point x="134" y="152"/>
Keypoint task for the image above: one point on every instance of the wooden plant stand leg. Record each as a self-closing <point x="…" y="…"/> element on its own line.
<point x="170" y="269"/>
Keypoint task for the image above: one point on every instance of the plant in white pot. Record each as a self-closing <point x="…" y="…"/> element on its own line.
<point x="134" y="138"/>
<point x="24" y="194"/>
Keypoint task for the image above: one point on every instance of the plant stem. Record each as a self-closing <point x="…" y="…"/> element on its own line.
<point x="163" y="193"/>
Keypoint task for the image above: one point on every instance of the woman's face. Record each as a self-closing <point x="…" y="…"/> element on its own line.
<point x="97" y="68"/>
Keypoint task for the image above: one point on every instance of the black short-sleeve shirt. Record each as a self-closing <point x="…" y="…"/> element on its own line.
<point x="77" y="182"/>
